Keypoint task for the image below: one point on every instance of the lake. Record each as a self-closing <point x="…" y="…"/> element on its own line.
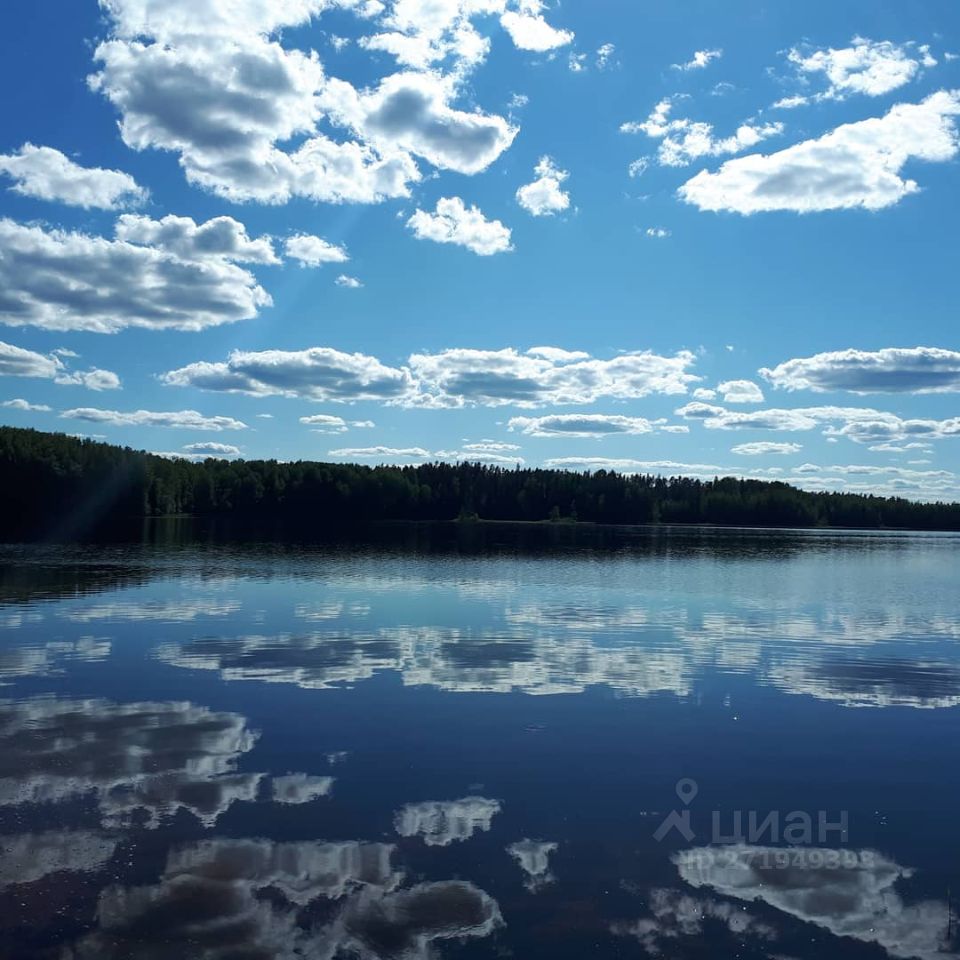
<point x="507" y="742"/>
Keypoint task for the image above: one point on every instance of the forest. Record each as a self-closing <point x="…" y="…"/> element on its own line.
<point x="54" y="485"/>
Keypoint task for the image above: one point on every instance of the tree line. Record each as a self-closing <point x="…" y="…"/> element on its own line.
<point x="53" y="484"/>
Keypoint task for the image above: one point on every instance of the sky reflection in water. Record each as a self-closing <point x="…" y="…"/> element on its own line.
<point x="277" y="753"/>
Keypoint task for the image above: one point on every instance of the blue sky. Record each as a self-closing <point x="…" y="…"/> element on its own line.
<point x="724" y="232"/>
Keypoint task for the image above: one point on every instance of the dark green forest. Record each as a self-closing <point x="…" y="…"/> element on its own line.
<point x="55" y="485"/>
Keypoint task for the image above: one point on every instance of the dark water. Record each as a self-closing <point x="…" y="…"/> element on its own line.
<point x="472" y="747"/>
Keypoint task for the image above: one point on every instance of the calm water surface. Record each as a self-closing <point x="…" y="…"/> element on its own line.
<point x="674" y="743"/>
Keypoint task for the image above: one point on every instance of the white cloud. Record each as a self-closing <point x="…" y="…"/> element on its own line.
<point x="224" y="104"/>
<point x="169" y="20"/>
<point x="638" y="167"/>
<point x="577" y="62"/>
<point x="351" y="283"/>
<point x="657" y="233"/>
<point x="381" y="453"/>
<point x="460" y="377"/>
<point x="71" y="281"/>
<point x="209" y="449"/>
<point x="91" y="379"/>
<point x="422" y="33"/>
<point x="790" y="103"/>
<point x="529" y="31"/>
<point x="182" y="419"/>
<point x="557" y="354"/>
<point x="47" y="174"/>
<point x="411" y="112"/>
<point x="860" y="424"/>
<point x="457" y="377"/>
<point x="490" y="446"/>
<point x="866" y="66"/>
<point x="25" y="405"/>
<point x="855" y="165"/>
<point x="313" y="251"/>
<point x="891" y="370"/>
<point x="325" y="423"/>
<point x="699" y="60"/>
<point x="18" y="362"/>
<point x="580" y="425"/>
<point x="605" y="54"/>
<point x="545" y="196"/>
<point x="684" y="140"/>
<point x="473" y="453"/>
<point x="740" y="391"/>
<point x="318" y="373"/>
<point x="219" y="238"/>
<point x="453" y="223"/>
<point x="764" y="447"/>
<point x="704" y="393"/>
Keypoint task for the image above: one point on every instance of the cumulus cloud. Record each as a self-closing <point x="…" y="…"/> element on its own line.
<point x="764" y="447"/>
<point x="47" y="174"/>
<point x="699" y="60"/>
<point x="891" y="370"/>
<point x="657" y="233"/>
<point x="856" y="165"/>
<point x="740" y="391"/>
<point x="351" y="283"/>
<point x="381" y="453"/>
<point x="453" y="223"/>
<point x="456" y="377"/>
<point x="545" y="195"/>
<point x="866" y="66"/>
<point x="474" y="453"/>
<point x="423" y="34"/>
<point x="18" y="362"/>
<point x="605" y="54"/>
<point x="182" y="419"/>
<point x="225" y="102"/>
<point x="318" y="373"/>
<point x="324" y="423"/>
<point x="208" y="449"/>
<point x="313" y="251"/>
<point x="684" y="140"/>
<point x="460" y="377"/>
<point x="25" y="405"/>
<point x="860" y="424"/>
<point x="580" y="425"/>
<point x="411" y="112"/>
<point x="243" y="112"/>
<point x="219" y="238"/>
<point x="529" y="30"/>
<point x="91" y="379"/>
<point x="71" y="281"/>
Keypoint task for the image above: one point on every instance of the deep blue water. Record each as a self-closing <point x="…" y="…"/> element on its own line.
<point x="472" y="749"/>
